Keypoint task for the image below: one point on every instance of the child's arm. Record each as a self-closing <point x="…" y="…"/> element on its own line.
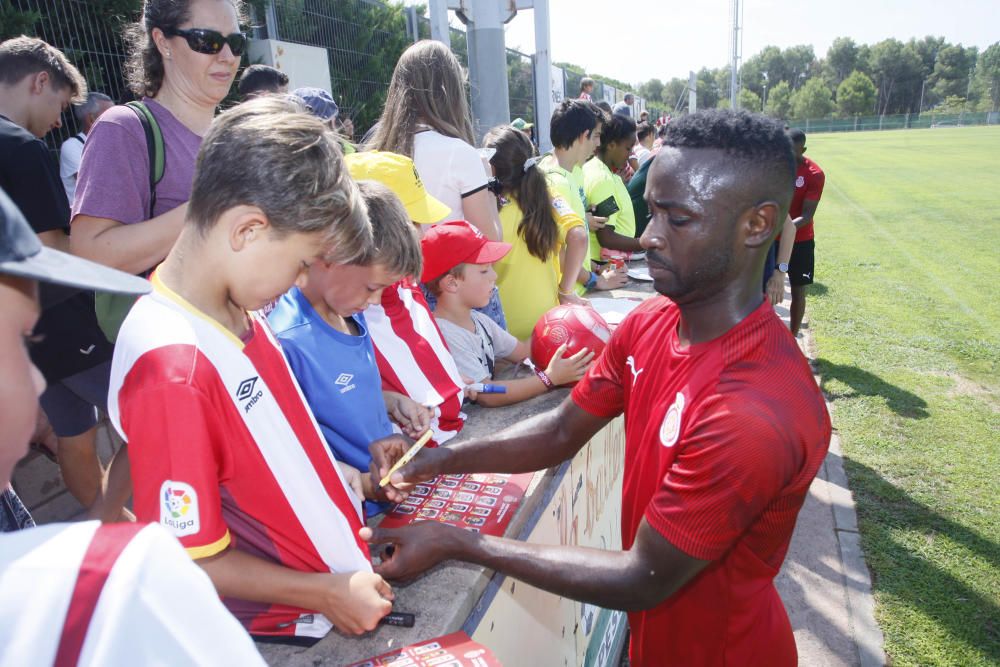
<point x="353" y="601"/>
<point x="577" y="245"/>
<point x="612" y="240"/>
<point x="561" y="370"/>
<point x="412" y="417"/>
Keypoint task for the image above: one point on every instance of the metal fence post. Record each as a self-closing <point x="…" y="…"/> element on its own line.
<point x="271" y="19"/>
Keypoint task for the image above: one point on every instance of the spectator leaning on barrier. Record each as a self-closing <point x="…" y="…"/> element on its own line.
<point x="71" y="151"/>
<point x="549" y="239"/>
<point x="412" y="357"/>
<point x="224" y="450"/>
<point x="324" y="334"/>
<point x="458" y="269"/>
<point x="725" y="427"/>
<point x="259" y="80"/>
<point x="82" y="593"/>
<point x="37" y="83"/>
<point x="600" y="185"/>
<point x="575" y="130"/>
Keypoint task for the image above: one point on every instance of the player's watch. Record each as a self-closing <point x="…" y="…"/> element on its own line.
<point x="783" y="267"/>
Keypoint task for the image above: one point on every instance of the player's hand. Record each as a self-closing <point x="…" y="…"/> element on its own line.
<point x="611" y="279"/>
<point x="412" y="417"/>
<point x="595" y="222"/>
<point x="572" y="298"/>
<point x="776" y="288"/>
<point x="416" y="548"/>
<point x="385" y="452"/>
<point x="356" y="601"/>
<point x="563" y="370"/>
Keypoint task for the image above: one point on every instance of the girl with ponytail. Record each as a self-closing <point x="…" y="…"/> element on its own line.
<point x="545" y="232"/>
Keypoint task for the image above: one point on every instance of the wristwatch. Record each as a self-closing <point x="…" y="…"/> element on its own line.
<point x="783" y="267"/>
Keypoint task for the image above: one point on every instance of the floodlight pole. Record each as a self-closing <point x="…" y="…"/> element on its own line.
<point x="734" y="96"/>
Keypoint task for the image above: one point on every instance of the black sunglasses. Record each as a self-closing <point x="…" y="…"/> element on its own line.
<point x="211" y="42"/>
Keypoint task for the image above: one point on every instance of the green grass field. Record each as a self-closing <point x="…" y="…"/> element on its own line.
<point x="906" y="320"/>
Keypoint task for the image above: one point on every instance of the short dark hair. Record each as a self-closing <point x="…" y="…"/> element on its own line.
<point x="23" y="56"/>
<point x="261" y="79"/>
<point x="618" y="127"/>
<point x="797" y="136"/>
<point x="758" y="143"/>
<point x="571" y="119"/>
<point x="643" y="130"/>
<point x="305" y="187"/>
<point x="604" y="106"/>
<point x="629" y="96"/>
<point x="397" y="247"/>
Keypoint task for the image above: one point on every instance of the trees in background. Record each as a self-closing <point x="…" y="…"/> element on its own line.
<point x="856" y="95"/>
<point x="888" y="77"/>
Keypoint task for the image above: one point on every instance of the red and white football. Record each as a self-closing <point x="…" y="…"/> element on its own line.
<point x="577" y="326"/>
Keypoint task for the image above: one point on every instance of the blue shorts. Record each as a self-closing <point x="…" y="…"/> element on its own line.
<point x="71" y="404"/>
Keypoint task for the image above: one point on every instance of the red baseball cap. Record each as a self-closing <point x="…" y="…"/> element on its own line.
<point x="447" y="245"/>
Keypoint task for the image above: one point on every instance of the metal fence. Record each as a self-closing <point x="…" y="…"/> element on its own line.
<point x="895" y="122"/>
<point x="364" y="39"/>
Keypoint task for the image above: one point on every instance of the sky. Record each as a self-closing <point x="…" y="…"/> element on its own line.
<point x="664" y="38"/>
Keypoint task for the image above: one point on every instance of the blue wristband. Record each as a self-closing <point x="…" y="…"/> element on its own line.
<point x="592" y="282"/>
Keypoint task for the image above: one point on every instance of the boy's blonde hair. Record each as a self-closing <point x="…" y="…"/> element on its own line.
<point x="397" y="246"/>
<point x="271" y="153"/>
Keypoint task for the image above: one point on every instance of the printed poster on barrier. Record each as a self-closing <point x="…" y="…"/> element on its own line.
<point x="479" y="502"/>
<point x="454" y="650"/>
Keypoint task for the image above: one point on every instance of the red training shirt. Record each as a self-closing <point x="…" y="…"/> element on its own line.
<point x="723" y="439"/>
<point x="809" y="181"/>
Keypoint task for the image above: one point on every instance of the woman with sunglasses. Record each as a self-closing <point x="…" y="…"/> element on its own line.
<point x="183" y="59"/>
<point x="182" y="67"/>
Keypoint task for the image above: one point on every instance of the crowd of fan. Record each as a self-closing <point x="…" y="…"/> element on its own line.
<point x="305" y="287"/>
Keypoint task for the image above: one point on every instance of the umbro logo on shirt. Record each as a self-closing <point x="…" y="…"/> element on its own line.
<point x="344" y="380"/>
<point x="245" y="392"/>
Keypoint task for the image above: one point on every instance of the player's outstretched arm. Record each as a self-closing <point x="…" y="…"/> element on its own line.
<point x="632" y="580"/>
<point x="537" y="443"/>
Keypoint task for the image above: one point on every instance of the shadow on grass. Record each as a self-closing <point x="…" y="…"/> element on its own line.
<point x="817" y="289"/>
<point x="863" y="383"/>
<point x="901" y="573"/>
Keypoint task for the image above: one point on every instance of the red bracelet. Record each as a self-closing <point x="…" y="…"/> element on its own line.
<point x="544" y="378"/>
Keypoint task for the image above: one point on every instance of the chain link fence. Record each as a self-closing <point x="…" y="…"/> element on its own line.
<point x="895" y="122"/>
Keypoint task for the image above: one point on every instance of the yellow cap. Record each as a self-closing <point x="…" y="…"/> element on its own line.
<point x="399" y="174"/>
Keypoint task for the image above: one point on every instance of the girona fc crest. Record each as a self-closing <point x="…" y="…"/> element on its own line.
<point x="670" y="429"/>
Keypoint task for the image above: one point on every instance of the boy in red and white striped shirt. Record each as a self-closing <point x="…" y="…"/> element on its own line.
<point x="223" y="447"/>
<point x="83" y="593"/>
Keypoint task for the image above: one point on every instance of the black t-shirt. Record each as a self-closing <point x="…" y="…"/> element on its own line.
<point x="71" y="340"/>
